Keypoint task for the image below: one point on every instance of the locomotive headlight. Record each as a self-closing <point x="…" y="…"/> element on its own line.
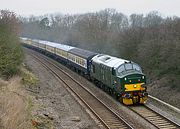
<point x="142" y="77"/>
<point x="125" y="78"/>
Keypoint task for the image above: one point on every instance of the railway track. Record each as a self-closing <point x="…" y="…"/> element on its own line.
<point x="154" y="117"/>
<point x="108" y="118"/>
<point x="164" y="103"/>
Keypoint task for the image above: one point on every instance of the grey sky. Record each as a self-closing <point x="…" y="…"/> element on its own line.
<point x="40" y="7"/>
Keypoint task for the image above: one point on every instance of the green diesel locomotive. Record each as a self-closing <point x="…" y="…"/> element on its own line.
<point x="120" y="77"/>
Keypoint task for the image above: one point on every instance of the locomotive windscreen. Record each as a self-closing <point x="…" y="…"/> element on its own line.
<point x="128" y="67"/>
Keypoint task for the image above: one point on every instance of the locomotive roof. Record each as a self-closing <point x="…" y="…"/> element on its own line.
<point x="82" y="53"/>
<point x="109" y="61"/>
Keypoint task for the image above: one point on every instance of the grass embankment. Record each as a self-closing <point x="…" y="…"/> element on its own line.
<point x="16" y="103"/>
<point x="18" y="106"/>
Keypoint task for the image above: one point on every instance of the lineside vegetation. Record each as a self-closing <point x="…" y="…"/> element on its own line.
<point x="10" y="50"/>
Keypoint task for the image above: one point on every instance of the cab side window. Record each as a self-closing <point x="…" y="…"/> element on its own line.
<point x="113" y="72"/>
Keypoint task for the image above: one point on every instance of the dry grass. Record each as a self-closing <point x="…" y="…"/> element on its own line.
<point x="28" y="79"/>
<point x="19" y="108"/>
<point x="14" y="113"/>
<point x="17" y="105"/>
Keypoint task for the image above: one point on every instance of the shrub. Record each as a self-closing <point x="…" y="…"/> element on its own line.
<point x="10" y="50"/>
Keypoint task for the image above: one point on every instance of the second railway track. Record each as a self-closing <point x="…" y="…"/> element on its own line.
<point x="154" y="117"/>
<point x="106" y="116"/>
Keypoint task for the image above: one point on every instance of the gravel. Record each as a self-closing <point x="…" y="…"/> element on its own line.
<point x="54" y="102"/>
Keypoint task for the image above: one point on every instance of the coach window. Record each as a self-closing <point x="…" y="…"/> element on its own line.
<point x="71" y="57"/>
<point x="81" y="62"/>
<point x="77" y="60"/>
<point x="64" y="53"/>
<point x="60" y="53"/>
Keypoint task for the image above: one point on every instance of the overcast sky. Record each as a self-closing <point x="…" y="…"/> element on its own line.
<point x="41" y="7"/>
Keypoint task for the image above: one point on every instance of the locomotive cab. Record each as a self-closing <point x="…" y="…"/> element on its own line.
<point x="132" y="83"/>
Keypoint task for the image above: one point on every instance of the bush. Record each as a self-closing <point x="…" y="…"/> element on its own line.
<point x="10" y="50"/>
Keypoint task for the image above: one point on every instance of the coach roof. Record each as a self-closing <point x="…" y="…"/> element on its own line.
<point x="82" y="53"/>
<point x="57" y="45"/>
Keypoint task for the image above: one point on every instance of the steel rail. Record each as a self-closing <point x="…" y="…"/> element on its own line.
<point x="155" y="118"/>
<point x="116" y="122"/>
<point x="164" y="103"/>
